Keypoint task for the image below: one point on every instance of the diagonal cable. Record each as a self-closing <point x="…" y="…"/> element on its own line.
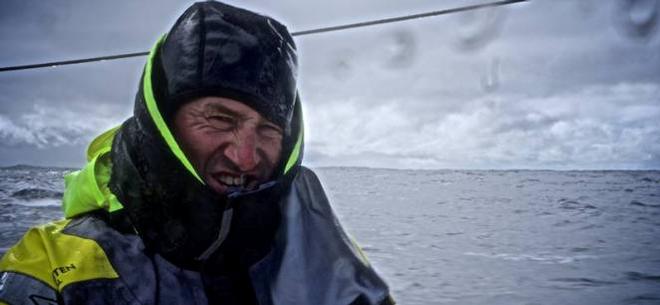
<point x="299" y="33"/>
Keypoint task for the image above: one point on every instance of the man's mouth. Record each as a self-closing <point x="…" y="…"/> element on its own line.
<point x="233" y="181"/>
<point x="230" y="181"/>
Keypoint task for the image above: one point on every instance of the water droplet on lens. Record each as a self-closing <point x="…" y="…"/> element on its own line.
<point x="477" y="28"/>
<point x="341" y="66"/>
<point x="490" y="81"/>
<point x="401" y="49"/>
<point x="586" y="8"/>
<point x="637" y="18"/>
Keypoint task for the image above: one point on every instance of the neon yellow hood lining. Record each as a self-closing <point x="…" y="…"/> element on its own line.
<point x="152" y="107"/>
<point x="87" y="189"/>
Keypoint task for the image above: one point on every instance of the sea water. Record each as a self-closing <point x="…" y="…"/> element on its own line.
<point x="461" y="236"/>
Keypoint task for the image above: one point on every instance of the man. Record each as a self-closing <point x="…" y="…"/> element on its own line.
<point x="199" y="198"/>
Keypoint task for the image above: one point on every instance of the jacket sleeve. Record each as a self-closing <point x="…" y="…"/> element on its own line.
<point x="26" y="273"/>
<point x="47" y="260"/>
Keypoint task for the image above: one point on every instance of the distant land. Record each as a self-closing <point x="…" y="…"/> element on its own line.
<point x="36" y="167"/>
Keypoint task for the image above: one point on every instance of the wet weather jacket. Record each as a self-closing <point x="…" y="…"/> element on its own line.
<point x="83" y="260"/>
<point x="142" y="227"/>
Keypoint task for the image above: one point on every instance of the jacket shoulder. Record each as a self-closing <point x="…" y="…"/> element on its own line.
<point x="49" y="255"/>
<point x="306" y="176"/>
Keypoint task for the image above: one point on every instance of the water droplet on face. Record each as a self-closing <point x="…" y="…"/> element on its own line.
<point x="477" y="28"/>
<point x="401" y="49"/>
<point x="490" y="80"/>
<point x="637" y="18"/>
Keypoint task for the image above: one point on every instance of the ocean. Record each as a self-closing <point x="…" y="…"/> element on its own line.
<point x="463" y="236"/>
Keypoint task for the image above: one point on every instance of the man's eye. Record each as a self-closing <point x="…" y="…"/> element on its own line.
<point x="270" y="131"/>
<point x="222" y="121"/>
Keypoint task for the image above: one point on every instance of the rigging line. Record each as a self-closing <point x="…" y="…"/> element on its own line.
<point x="404" y="18"/>
<point x="54" y="64"/>
<point x="299" y="33"/>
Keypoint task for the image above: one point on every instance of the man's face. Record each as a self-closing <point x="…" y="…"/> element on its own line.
<point x="228" y="143"/>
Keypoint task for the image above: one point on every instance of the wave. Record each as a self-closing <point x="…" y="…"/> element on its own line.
<point x="642" y="204"/>
<point x="41" y="202"/>
<point x="558" y="259"/>
<point x="584" y="282"/>
<point x="641" y="276"/>
<point x="577" y="205"/>
<point x="36" y="193"/>
<point x="647" y="179"/>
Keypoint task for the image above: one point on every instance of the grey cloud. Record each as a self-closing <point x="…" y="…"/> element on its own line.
<point x="71" y="87"/>
<point x="508" y="131"/>
<point x="48" y="126"/>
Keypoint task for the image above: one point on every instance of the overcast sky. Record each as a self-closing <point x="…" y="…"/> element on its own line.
<point x="548" y="84"/>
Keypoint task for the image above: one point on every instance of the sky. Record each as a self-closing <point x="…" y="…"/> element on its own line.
<point x="546" y="84"/>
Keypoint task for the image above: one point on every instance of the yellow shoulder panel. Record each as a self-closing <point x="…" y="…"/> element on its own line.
<point x="57" y="259"/>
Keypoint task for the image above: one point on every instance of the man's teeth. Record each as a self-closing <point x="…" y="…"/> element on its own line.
<point x="232" y="181"/>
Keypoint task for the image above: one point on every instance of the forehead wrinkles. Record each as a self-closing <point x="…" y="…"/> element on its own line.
<point x="242" y="115"/>
<point x="215" y="107"/>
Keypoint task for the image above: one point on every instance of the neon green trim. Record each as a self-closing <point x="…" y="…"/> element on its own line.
<point x="363" y="257"/>
<point x="87" y="189"/>
<point x="295" y="154"/>
<point x="101" y="142"/>
<point x="158" y="118"/>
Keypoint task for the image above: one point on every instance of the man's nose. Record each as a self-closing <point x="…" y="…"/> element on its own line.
<point x="243" y="152"/>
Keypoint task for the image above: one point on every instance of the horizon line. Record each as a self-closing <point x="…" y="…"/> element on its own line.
<point x="23" y="165"/>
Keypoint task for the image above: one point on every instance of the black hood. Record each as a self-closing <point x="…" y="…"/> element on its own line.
<point x="219" y="50"/>
<point x="213" y="50"/>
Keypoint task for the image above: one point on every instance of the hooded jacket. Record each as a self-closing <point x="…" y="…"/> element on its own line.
<point x="142" y="227"/>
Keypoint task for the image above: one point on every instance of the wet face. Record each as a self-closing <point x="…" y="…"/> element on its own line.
<point x="229" y="144"/>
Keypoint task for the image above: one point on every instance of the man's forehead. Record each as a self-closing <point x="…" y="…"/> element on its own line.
<point x="228" y="106"/>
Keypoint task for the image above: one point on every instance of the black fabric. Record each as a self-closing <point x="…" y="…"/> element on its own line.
<point x="255" y="222"/>
<point x="220" y="50"/>
<point x="313" y="260"/>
